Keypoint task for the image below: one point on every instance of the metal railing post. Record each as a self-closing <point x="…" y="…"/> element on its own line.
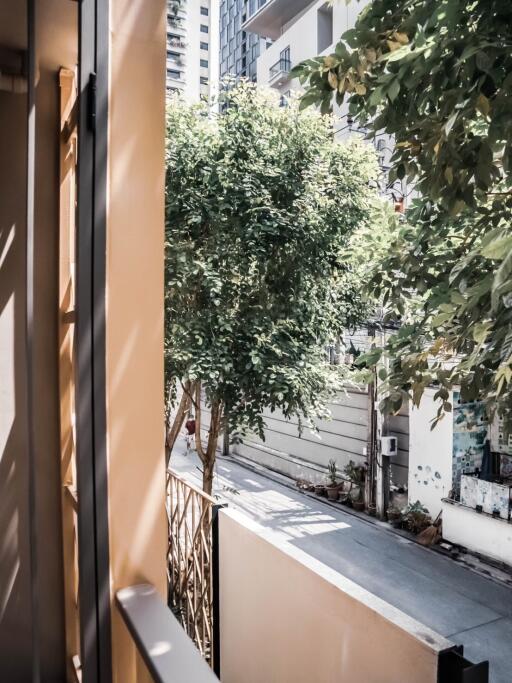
<point x="216" y="588"/>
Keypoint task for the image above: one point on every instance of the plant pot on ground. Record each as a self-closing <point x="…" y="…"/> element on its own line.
<point x="344" y="496"/>
<point x="394" y="515"/>
<point x="320" y="489"/>
<point x="358" y="505"/>
<point x="357" y="498"/>
<point x="332" y="487"/>
<point x="333" y="492"/>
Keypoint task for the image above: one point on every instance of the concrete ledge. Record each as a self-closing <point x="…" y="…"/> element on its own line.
<point x="287" y="616"/>
<point x="477" y="531"/>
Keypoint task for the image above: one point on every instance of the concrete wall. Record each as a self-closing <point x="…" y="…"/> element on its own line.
<point x="478" y="532"/>
<point x="57" y="45"/>
<point x="430" y="455"/>
<point x="284" y="616"/>
<point x="135" y="252"/>
<point x="342" y="438"/>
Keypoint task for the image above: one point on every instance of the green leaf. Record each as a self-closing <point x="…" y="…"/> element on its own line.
<point x="498" y="249"/>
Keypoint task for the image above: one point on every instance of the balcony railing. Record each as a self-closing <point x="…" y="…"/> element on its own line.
<point x="279" y="72"/>
<point x="191" y="563"/>
<point x="174" y="42"/>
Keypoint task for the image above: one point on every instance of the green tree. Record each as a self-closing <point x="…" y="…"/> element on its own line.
<point x="437" y="76"/>
<point x="260" y="210"/>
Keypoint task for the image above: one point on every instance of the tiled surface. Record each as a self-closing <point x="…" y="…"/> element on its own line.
<point x="469" y="434"/>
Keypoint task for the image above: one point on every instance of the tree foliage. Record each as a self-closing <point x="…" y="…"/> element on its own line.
<point x="260" y="208"/>
<point x="437" y="76"/>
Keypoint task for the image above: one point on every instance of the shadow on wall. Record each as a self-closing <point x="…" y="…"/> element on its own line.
<point x="14" y="549"/>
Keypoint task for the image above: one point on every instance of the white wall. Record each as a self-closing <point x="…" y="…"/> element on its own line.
<point x="301" y="36"/>
<point x="430" y="454"/>
<point x="191" y="33"/>
<point x="478" y="532"/>
<point x="284" y="616"/>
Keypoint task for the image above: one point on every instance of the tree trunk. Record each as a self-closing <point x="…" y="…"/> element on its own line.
<point x="207" y="455"/>
<point x="172" y="431"/>
<point x="208" y="472"/>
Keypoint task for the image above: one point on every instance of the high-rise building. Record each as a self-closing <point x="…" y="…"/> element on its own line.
<point x="193" y="48"/>
<point x="239" y="49"/>
<point x="299" y="29"/>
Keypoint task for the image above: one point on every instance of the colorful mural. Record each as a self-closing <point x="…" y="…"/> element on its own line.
<point x="470" y="429"/>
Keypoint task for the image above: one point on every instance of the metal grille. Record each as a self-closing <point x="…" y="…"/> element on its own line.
<point x="190" y="560"/>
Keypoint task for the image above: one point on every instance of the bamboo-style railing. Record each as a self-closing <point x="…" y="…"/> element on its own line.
<point x="190" y="560"/>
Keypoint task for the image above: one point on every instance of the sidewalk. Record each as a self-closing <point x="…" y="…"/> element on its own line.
<point x="444" y="595"/>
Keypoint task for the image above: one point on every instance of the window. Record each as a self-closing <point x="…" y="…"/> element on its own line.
<point x="204" y="63"/>
<point x="173" y="55"/>
<point x="174" y="73"/>
<point x="204" y="11"/>
<point x="324" y="27"/>
<point x="203" y="80"/>
<point x="204" y="46"/>
<point x="204" y="28"/>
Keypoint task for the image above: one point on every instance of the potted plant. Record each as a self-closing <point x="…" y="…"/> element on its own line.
<point x="416" y="517"/>
<point x="358" y="499"/>
<point x="344" y="492"/>
<point x="356" y="475"/>
<point x="332" y="488"/>
<point x="394" y="515"/>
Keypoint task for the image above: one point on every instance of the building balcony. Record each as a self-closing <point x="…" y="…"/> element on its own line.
<point x="270" y="19"/>
<point x="177" y="43"/>
<point x="279" y="73"/>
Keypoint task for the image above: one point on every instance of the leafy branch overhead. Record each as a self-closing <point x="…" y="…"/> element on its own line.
<point x="436" y="75"/>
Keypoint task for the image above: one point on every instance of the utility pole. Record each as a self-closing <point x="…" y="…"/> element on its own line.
<point x="382" y="461"/>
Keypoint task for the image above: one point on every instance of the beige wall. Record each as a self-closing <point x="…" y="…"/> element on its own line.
<point x="135" y="234"/>
<point x="57" y="40"/>
<point x="286" y="617"/>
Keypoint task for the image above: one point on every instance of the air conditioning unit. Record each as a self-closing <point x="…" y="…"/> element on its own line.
<point x="389" y="446"/>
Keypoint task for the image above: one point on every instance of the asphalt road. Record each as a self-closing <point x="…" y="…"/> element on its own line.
<point x="456" y="602"/>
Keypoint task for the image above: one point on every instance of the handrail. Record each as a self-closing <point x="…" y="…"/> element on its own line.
<point x="192" y="486"/>
<point x="281" y="66"/>
<point x="169" y="654"/>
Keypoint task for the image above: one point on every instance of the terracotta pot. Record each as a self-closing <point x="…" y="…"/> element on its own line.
<point x="320" y="489"/>
<point x="332" y="492"/>
<point x="358" y="505"/>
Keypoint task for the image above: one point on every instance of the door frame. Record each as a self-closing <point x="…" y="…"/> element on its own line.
<point x="91" y="427"/>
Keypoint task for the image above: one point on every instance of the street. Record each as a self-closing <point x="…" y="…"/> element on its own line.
<point x="456" y="602"/>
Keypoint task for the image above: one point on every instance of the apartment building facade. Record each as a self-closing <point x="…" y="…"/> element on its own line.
<point x="192" y="63"/>
<point x="299" y="29"/>
<point x="239" y="48"/>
